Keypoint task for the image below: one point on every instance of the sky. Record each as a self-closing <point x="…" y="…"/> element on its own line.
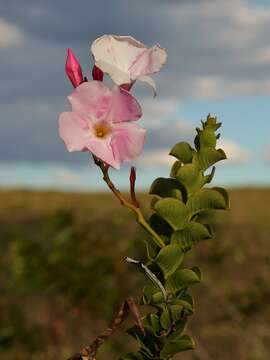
<point x="218" y="63"/>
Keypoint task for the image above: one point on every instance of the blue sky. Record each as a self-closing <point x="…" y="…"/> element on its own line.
<point x="219" y="62"/>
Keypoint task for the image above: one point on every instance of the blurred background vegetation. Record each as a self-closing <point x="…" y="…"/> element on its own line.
<point x="63" y="276"/>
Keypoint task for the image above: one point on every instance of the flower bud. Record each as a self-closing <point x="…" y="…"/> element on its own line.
<point x="132" y="177"/>
<point x="97" y="73"/>
<point x="73" y="69"/>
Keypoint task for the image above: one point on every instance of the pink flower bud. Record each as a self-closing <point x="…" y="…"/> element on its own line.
<point x="132" y="180"/>
<point x="97" y="73"/>
<point x="132" y="177"/>
<point x="73" y="69"/>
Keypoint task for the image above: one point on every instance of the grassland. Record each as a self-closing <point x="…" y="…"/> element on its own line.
<point x="63" y="276"/>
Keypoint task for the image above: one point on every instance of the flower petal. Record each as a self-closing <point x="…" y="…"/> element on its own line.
<point x="149" y="62"/>
<point x="102" y="149"/>
<point x="118" y="76"/>
<point x="72" y="132"/>
<point x="148" y="80"/>
<point x="124" y="106"/>
<point x="113" y="53"/>
<point x="127" y="141"/>
<point x="92" y="99"/>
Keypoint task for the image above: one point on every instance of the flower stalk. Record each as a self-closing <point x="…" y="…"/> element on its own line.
<point x="139" y="215"/>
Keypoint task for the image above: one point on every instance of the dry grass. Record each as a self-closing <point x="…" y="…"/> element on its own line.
<point x="62" y="275"/>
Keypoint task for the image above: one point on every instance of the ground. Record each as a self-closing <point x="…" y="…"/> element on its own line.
<point x="63" y="276"/>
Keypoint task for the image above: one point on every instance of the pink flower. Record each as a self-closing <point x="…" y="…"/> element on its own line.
<point x="101" y="122"/>
<point x="127" y="60"/>
<point x="73" y="69"/>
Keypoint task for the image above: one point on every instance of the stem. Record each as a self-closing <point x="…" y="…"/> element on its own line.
<point x="139" y="215"/>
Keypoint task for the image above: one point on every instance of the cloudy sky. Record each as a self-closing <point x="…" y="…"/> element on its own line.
<point x="219" y="62"/>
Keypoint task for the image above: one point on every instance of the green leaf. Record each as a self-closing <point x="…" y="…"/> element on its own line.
<point x="193" y="233"/>
<point x="169" y="259"/>
<point x="183" y="152"/>
<point x="173" y="313"/>
<point x="187" y="302"/>
<point x="176" y="311"/>
<point x="180" y="279"/>
<point x="209" y="178"/>
<point x="148" y="292"/>
<point x="173" y="211"/>
<point x="207" y="138"/>
<point x="191" y="177"/>
<point x="157" y="298"/>
<point x="147" y="341"/>
<point x="165" y="319"/>
<point x="175" y="168"/>
<point x="225" y="195"/>
<point x="208" y="156"/>
<point x="161" y="227"/>
<point x="211" y="122"/>
<point x="178" y="332"/>
<point x="183" y="344"/>
<point x="154" y="322"/>
<point x="166" y="187"/>
<point x="208" y="199"/>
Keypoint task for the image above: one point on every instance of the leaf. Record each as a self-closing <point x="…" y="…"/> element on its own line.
<point x="187" y="302"/>
<point x="148" y="292"/>
<point x="173" y="211"/>
<point x="225" y="195"/>
<point x="165" y="319"/>
<point x="209" y="178"/>
<point x="183" y="152"/>
<point x="211" y="122"/>
<point x="175" y="168"/>
<point x="157" y="298"/>
<point x="161" y="226"/>
<point x="180" y="279"/>
<point x="166" y="187"/>
<point x="193" y="233"/>
<point x="176" y="311"/>
<point x="153" y="320"/>
<point x="208" y="156"/>
<point x="183" y="344"/>
<point x="208" y="199"/>
<point x="179" y="329"/>
<point x="191" y="177"/>
<point x="207" y="138"/>
<point x="147" y="341"/>
<point x="169" y="259"/>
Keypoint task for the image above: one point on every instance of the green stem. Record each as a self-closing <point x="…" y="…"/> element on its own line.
<point x="139" y="215"/>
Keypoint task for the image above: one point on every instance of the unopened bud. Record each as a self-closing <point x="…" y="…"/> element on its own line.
<point x="97" y="73"/>
<point x="73" y="69"/>
<point x="132" y="175"/>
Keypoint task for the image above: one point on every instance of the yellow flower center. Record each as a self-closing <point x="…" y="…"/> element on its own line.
<point x="101" y="130"/>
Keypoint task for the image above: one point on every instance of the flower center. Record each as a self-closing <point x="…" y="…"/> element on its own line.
<point x="101" y="130"/>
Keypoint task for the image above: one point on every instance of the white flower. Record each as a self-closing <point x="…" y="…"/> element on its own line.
<point x="126" y="60"/>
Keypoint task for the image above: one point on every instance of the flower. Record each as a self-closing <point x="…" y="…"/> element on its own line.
<point x="126" y="60"/>
<point x="102" y="122"/>
<point x="73" y="69"/>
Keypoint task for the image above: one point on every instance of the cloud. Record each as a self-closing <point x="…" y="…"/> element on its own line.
<point x="158" y="110"/>
<point x="159" y="157"/>
<point x="156" y="158"/>
<point x="267" y="154"/>
<point x="236" y="155"/>
<point x="217" y="49"/>
<point x="10" y="35"/>
<point x="168" y="133"/>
